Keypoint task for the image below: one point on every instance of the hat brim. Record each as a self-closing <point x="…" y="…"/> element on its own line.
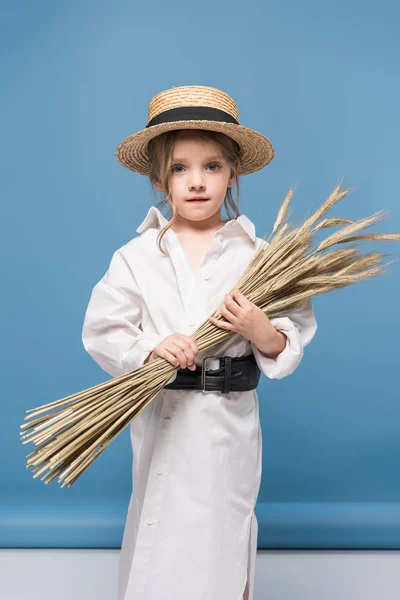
<point x="256" y="150"/>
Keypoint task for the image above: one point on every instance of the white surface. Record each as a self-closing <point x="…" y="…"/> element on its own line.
<point x="285" y="575"/>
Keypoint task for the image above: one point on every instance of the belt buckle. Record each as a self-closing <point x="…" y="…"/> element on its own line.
<point x="204" y="369"/>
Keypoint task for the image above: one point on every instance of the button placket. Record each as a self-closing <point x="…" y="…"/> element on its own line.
<point x="187" y="280"/>
<point x="200" y="292"/>
<point x="184" y="275"/>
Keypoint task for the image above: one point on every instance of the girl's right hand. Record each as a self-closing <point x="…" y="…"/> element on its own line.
<point x="178" y="349"/>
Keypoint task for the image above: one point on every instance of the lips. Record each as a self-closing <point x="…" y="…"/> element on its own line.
<point x="199" y="199"/>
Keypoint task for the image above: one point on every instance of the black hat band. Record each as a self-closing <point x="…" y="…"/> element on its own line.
<point x="188" y="113"/>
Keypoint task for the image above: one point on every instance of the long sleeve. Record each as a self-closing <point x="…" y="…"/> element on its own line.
<point x="111" y="332"/>
<point x="299" y="326"/>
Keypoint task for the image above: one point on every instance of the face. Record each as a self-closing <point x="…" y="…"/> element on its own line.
<point x="199" y="169"/>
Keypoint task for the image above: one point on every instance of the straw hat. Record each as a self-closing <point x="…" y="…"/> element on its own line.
<point x="195" y="107"/>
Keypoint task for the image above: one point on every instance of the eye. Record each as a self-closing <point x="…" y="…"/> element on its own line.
<point x="215" y="165"/>
<point x="176" y="166"/>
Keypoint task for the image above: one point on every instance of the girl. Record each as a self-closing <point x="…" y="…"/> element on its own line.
<point x="191" y="530"/>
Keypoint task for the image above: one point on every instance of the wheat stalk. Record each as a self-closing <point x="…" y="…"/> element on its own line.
<point x="283" y="274"/>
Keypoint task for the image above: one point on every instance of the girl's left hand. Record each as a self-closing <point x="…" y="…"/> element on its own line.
<point x="247" y="319"/>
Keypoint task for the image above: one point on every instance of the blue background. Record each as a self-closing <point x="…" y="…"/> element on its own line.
<point x="320" y="79"/>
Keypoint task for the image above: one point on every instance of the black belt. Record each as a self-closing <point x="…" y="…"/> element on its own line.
<point x="237" y="374"/>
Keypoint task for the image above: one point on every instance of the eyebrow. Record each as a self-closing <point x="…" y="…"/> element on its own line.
<point x="210" y="158"/>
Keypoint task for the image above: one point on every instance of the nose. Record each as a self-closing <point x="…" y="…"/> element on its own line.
<point x="196" y="181"/>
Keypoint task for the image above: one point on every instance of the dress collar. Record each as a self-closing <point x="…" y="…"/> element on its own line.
<point x="155" y="218"/>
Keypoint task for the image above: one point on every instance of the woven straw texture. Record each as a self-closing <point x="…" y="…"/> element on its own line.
<point x="256" y="150"/>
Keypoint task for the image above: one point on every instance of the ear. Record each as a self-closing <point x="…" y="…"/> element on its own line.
<point x="158" y="185"/>
<point x="234" y="170"/>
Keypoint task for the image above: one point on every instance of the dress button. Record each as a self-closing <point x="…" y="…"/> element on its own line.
<point x="167" y="420"/>
<point x="206" y="276"/>
<point x="150" y="521"/>
<point x="221" y="237"/>
<point x="159" y="472"/>
<point x="191" y="322"/>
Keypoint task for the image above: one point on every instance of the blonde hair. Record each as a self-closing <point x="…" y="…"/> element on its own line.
<point x="160" y="152"/>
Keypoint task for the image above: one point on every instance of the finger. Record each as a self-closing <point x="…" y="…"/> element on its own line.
<point x="239" y="297"/>
<point x="187" y="348"/>
<point x="194" y="346"/>
<point x="225" y="312"/>
<point x="169" y="357"/>
<point x="177" y="351"/>
<point x="221" y="324"/>
<point x="231" y="305"/>
<point x="191" y="342"/>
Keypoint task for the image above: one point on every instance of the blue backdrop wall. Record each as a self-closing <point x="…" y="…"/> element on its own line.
<point x="320" y="79"/>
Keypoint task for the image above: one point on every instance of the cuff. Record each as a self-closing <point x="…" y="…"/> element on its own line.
<point x="288" y="360"/>
<point x="144" y="344"/>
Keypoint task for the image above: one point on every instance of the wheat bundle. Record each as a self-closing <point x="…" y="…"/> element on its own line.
<point x="283" y="274"/>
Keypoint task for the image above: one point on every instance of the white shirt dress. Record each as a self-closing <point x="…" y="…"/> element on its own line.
<point x="191" y="530"/>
